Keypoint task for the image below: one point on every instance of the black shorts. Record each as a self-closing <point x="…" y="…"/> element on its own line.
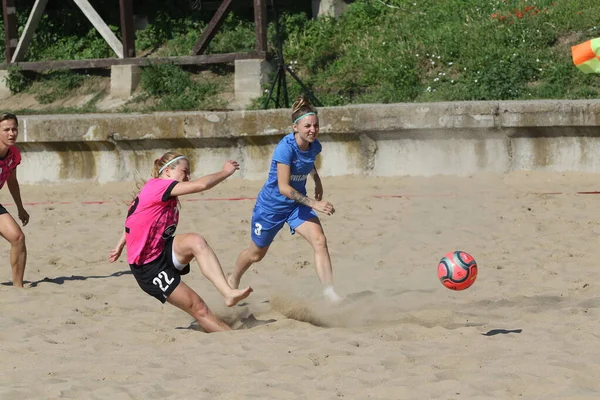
<point x="3" y="210"/>
<point x="160" y="277"/>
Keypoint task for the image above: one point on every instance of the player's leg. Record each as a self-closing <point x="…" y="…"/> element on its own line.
<point x="307" y="224"/>
<point x="191" y="245"/>
<point x="186" y="299"/>
<point x="10" y="230"/>
<point x="246" y="258"/>
<point x="264" y="226"/>
<point x="312" y="231"/>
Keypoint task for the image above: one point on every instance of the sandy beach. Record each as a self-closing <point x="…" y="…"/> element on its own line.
<point x="527" y="329"/>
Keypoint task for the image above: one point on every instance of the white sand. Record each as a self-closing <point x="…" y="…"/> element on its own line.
<point x="528" y="328"/>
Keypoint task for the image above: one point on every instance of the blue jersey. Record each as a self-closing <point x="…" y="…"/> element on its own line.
<point x="301" y="164"/>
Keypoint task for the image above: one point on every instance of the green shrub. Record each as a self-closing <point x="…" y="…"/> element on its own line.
<point x="174" y="88"/>
<point x="17" y="81"/>
<point x="378" y="51"/>
<point x="56" y="85"/>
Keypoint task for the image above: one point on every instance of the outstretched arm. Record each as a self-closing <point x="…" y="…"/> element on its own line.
<point x="15" y="191"/>
<point x="116" y="252"/>
<point x="283" y="181"/>
<point x="206" y="182"/>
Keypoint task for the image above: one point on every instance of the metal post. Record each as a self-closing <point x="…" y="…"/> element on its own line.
<point x="126" y="10"/>
<point x="260" y="24"/>
<point x="11" y="36"/>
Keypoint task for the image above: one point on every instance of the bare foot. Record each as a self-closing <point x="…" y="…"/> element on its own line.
<point x="237" y="295"/>
<point x="332" y="295"/>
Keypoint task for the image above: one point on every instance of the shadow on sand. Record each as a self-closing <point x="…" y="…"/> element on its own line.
<point x="248" y="322"/>
<point x="62" y="279"/>
<point x="495" y="332"/>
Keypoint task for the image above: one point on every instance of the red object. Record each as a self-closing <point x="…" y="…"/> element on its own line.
<point x="457" y="270"/>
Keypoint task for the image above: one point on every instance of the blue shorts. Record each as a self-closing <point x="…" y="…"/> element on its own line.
<point x="265" y="224"/>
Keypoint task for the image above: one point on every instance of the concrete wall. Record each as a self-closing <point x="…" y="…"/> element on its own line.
<point x="421" y="139"/>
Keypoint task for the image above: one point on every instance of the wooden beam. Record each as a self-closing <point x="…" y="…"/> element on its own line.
<point x="108" y="62"/>
<point x="213" y="26"/>
<point x="100" y="26"/>
<point x="32" y="22"/>
<point x="260" y="24"/>
<point x="11" y="36"/>
<point x="127" y="31"/>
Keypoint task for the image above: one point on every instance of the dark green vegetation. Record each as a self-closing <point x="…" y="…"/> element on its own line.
<point x="378" y="52"/>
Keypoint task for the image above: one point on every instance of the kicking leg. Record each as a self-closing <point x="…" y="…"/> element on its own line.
<point x="245" y="259"/>
<point x="186" y="299"/>
<point x="10" y="230"/>
<point x="191" y="245"/>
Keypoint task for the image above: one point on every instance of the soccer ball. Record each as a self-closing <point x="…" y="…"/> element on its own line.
<point x="457" y="270"/>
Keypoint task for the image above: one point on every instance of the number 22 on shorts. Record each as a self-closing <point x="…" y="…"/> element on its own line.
<point x="158" y="282"/>
<point x="257" y="229"/>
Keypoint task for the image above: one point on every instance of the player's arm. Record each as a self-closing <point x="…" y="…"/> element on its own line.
<point x="15" y="192"/>
<point x="283" y="182"/>
<point x="116" y="252"/>
<point x="206" y="182"/>
<point x="318" y="184"/>
<point x="315" y="174"/>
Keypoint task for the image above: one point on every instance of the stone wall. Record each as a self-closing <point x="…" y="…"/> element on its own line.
<point x="419" y="139"/>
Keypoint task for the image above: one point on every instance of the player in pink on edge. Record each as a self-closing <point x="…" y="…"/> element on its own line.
<point x="157" y="257"/>
<point x="10" y="157"/>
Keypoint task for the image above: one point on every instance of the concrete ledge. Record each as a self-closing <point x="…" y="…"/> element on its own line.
<point x="381" y="140"/>
<point x="399" y="118"/>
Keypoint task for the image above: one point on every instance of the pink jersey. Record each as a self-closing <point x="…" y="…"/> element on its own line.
<point x="152" y="219"/>
<point x="9" y="163"/>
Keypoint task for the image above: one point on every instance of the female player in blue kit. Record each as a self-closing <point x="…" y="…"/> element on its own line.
<point x="283" y="199"/>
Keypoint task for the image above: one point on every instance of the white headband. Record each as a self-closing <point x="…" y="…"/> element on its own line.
<point x="169" y="163"/>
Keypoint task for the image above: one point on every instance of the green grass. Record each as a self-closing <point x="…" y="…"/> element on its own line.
<point x="447" y="51"/>
<point x="377" y="52"/>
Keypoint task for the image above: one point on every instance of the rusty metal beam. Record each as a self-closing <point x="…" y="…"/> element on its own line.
<point x="260" y="24"/>
<point x="127" y="28"/>
<point x="128" y="45"/>
<point x="11" y="36"/>
<point x="213" y="26"/>
<point x="107" y="62"/>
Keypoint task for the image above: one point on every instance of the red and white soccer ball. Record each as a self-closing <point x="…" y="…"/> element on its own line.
<point x="457" y="270"/>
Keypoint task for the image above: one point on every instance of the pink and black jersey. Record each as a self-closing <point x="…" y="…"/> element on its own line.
<point x="9" y="163"/>
<point x="151" y="220"/>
